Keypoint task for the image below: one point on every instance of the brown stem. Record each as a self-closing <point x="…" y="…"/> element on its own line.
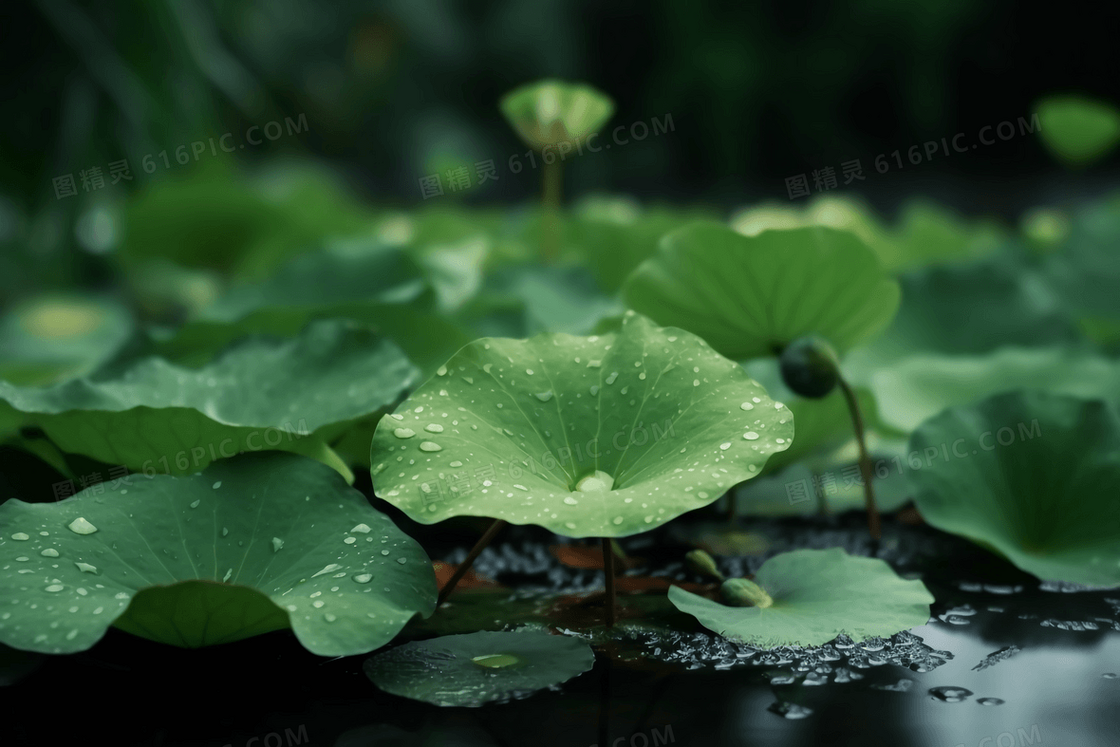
<point x="465" y="566"/>
<point x="864" y="459"/>
<point x="608" y="572"/>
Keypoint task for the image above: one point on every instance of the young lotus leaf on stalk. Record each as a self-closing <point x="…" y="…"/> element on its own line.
<point x="554" y="118"/>
<point x="602" y="436"/>
<point x="805" y="295"/>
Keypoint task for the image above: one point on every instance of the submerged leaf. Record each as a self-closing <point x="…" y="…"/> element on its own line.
<point x="815" y="595"/>
<point x="602" y="436"/>
<point x="477" y="668"/>
<point x="252" y="544"/>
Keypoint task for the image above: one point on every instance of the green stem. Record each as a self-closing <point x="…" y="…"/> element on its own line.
<point x="465" y="566"/>
<point x="551" y="182"/>
<point x="864" y="459"/>
<point x="608" y="572"/>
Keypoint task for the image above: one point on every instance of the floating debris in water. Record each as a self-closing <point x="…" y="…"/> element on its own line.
<point x="996" y="657"/>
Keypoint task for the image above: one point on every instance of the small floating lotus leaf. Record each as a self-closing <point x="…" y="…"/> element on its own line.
<point x="477" y="668"/>
<point x="601" y="436"/>
<point x="1032" y="475"/>
<point x="815" y="596"/>
<point x="153" y="416"/>
<point x="254" y="543"/>
<point x="750" y="296"/>
<point x="550" y="112"/>
<point x="1078" y="130"/>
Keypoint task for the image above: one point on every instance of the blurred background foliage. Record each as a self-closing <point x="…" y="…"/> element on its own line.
<point x="396" y="90"/>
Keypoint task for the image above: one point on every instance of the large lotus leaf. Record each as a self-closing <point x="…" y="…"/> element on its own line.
<point x="817" y="595"/>
<point x="255" y="543"/>
<point x="749" y="296"/>
<point x="606" y="435"/>
<point x="377" y="285"/>
<point x="1032" y="475"/>
<point x="549" y="112"/>
<point x="51" y="338"/>
<point x="476" y="668"/>
<point x="942" y="308"/>
<point x="924" y="385"/>
<point x="154" y="416"/>
<point x="1078" y="130"/>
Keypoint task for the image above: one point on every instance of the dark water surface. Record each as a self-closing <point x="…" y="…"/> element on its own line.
<point x="1003" y="661"/>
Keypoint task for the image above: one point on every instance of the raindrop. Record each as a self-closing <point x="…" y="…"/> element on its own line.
<point x="86" y="568"/>
<point x="429" y="446"/>
<point x="217" y="485"/>
<point x="81" y="526"/>
<point x="434" y="428"/>
<point x="612" y="377"/>
<point x="195" y="504"/>
<point x="20" y="536"/>
<point x="989" y="701"/>
<point x="404" y="432"/>
<point x="50" y="552"/>
<point x="277" y="543"/>
<point x="750" y="436"/>
<point x="55" y="587"/>
<point x="363" y="578"/>
<point x="725" y="446"/>
<point x="544" y="396"/>
<point x="746" y="406"/>
<point x="950" y="694"/>
<point x="789" y="710"/>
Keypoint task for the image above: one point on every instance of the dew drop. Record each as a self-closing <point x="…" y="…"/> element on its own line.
<point x="86" y="568"/>
<point x="434" y="428"/>
<point x="750" y="436"/>
<point x="404" y="432"/>
<point x="20" y="536"/>
<point x="363" y="578"/>
<point x="50" y="552"/>
<point x="725" y="446"/>
<point x="543" y="396"/>
<point x="81" y="526"/>
<point x="277" y="543"/>
<point x="430" y="446"/>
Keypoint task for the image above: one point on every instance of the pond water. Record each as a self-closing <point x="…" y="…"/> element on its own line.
<point x="1003" y="661"/>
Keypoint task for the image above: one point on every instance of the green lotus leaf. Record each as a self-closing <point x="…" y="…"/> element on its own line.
<point x="550" y="112"/>
<point x="525" y="300"/>
<point x="817" y="595"/>
<point x="940" y="306"/>
<point x="919" y="387"/>
<point x="749" y="296"/>
<point x="254" y="543"/>
<point x="47" y="339"/>
<point x="602" y="436"/>
<point x="612" y="236"/>
<point x="154" y="416"/>
<point x="1078" y="130"/>
<point x="374" y="284"/>
<point x="477" y="668"/>
<point x="1032" y="475"/>
<point x="1084" y="269"/>
<point x="214" y="217"/>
